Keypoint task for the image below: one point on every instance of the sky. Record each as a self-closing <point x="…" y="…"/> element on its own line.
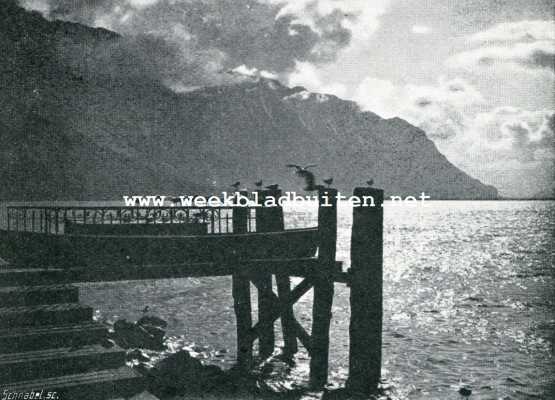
<point x="476" y="75"/>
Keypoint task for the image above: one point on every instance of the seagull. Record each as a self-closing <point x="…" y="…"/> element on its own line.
<point x="258" y="184"/>
<point x="370" y="182"/>
<point x="236" y="185"/>
<point x="304" y="173"/>
<point x="328" y="181"/>
<point x="299" y="168"/>
<point x="275" y="186"/>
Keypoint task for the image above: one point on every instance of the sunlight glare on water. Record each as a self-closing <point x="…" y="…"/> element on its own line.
<point x="468" y="300"/>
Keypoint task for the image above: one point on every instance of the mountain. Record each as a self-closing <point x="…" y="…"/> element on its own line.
<point x="83" y="116"/>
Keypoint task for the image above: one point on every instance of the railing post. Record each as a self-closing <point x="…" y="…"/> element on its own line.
<point x="365" y="329"/>
<point x="57" y="222"/>
<point x="47" y="220"/>
<point x="242" y="298"/>
<point x="323" y="286"/>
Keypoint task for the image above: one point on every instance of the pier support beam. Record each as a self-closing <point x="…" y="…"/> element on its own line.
<point x="271" y="221"/>
<point x="323" y="287"/>
<point x="242" y="299"/>
<point x="268" y="219"/>
<point x="365" y="330"/>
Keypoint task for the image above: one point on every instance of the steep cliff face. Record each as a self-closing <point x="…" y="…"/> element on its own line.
<point x="81" y="117"/>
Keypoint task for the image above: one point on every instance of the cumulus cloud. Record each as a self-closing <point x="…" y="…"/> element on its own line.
<point x="532" y="55"/>
<point x="253" y="72"/>
<point x="517" y="31"/>
<point x="440" y="110"/>
<point x="197" y="41"/>
<point x="524" y="45"/>
<point x="509" y="133"/>
<point x="360" y="17"/>
<point x="308" y="75"/>
<point x="455" y="115"/>
<point x="501" y="146"/>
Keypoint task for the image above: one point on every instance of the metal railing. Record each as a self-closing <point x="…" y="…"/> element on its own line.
<point x="57" y="219"/>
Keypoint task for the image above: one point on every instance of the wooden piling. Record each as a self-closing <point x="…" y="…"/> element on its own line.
<point x="323" y="287"/>
<point x="365" y="329"/>
<point x="268" y="219"/>
<point x="242" y="298"/>
<point x="271" y="220"/>
<point x="290" y="347"/>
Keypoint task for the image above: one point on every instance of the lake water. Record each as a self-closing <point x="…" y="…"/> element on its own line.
<point x="469" y="291"/>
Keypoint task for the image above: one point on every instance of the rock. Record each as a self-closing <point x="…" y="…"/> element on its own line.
<point x="152" y="321"/>
<point x="127" y="335"/>
<point x="198" y="348"/>
<point x="144" y="396"/>
<point x="465" y="391"/>
<point x="155" y="331"/>
<point x="180" y="373"/>
<point x="137" y="355"/>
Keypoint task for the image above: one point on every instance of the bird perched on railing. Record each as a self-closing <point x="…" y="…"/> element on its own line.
<point x="328" y="181"/>
<point x="307" y="175"/>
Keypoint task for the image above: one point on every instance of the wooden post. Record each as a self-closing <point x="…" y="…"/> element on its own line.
<point x="271" y="220"/>
<point x="365" y="329"/>
<point x="242" y="299"/>
<point x="323" y="287"/>
<point x="268" y="219"/>
<point x="290" y="347"/>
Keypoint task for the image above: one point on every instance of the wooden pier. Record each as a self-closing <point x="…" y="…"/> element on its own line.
<point x="319" y="271"/>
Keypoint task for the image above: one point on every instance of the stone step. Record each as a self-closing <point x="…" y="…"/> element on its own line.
<point x="58" y="362"/>
<point x="37" y="295"/>
<point x="50" y="336"/>
<point x="31" y="276"/>
<point x="52" y="314"/>
<point x="97" y="385"/>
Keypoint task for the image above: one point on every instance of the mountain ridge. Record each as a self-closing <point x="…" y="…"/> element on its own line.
<point x="84" y="117"/>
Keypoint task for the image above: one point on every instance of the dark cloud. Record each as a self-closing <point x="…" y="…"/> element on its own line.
<point x="520" y="136"/>
<point x="542" y="59"/>
<point x="423" y="102"/>
<point x="456" y="86"/>
<point x="524" y="137"/>
<point x="192" y="42"/>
